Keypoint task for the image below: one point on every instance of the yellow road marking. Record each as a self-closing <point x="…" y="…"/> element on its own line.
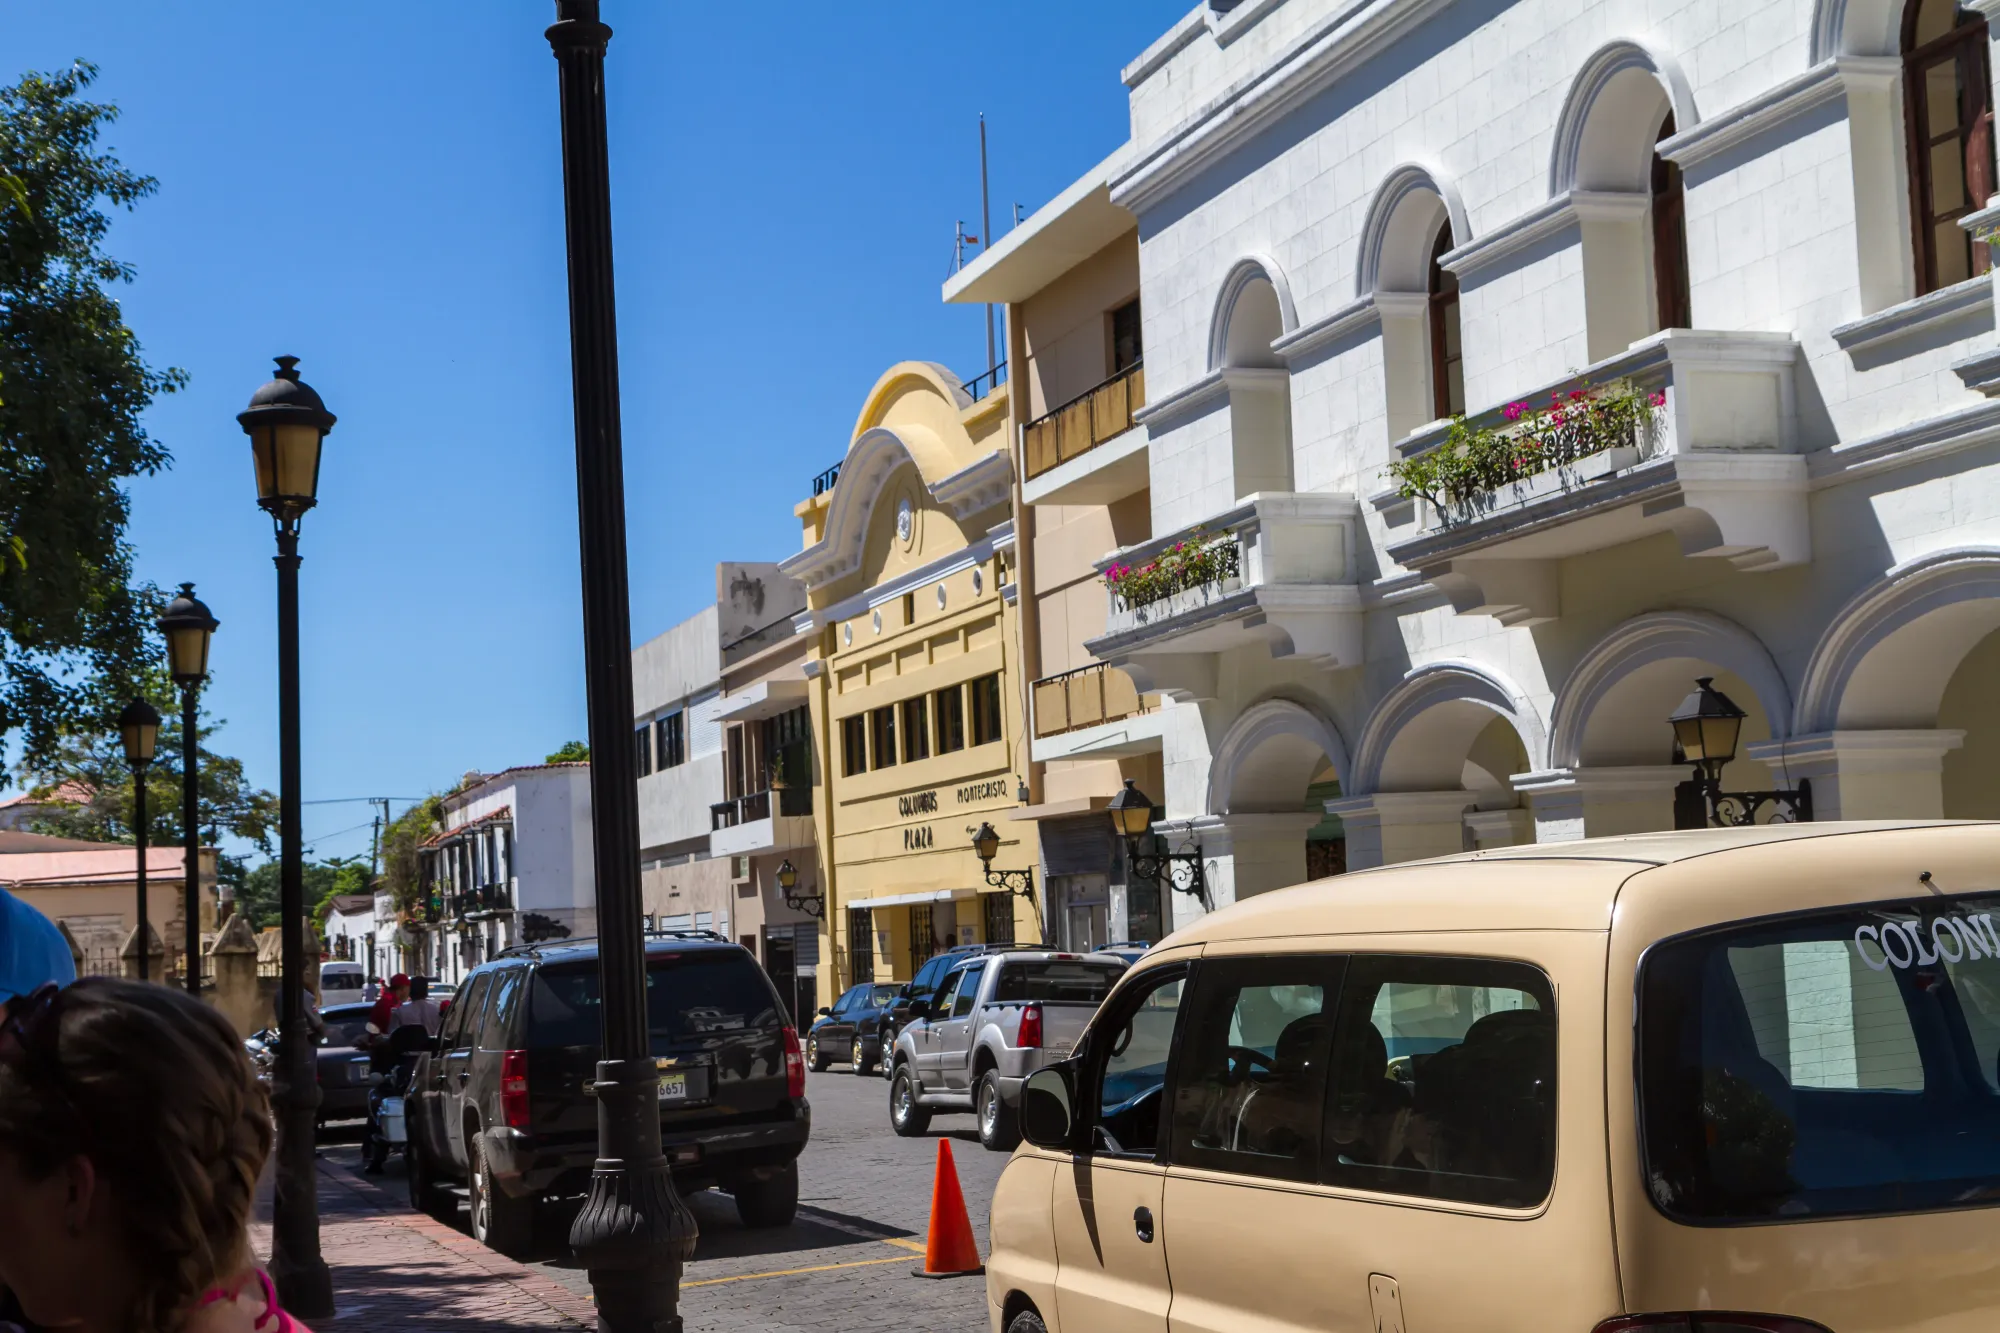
<point x="793" y="1272"/>
<point x="906" y="1244"/>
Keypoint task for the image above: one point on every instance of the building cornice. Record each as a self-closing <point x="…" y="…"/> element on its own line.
<point x="1824" y="83"/>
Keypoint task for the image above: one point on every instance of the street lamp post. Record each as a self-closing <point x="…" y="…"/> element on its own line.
<point x="139" y="730"/>
<point x="812" y="904"/>
<point x="1706" y="727"/>
<point x="287" y="423"/>
<point x="986" y="845"/>
<point x="1132" y="817"/>
<point x="634" y="1233"/>
<point x="188" y="625"/>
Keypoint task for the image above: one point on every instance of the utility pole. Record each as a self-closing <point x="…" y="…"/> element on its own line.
<point x="986" y="230"/>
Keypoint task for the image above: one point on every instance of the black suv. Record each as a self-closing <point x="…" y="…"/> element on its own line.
<point x="503" y="1102"/>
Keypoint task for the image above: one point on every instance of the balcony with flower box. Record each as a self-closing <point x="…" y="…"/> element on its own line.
<point x="1692" y="433"/>
<point x="1277" y="570"/>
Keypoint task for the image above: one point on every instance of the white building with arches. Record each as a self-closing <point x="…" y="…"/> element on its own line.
<point x="1359" y="220"/>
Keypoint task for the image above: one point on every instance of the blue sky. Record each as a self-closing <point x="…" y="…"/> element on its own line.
<point x="375" y="188"/>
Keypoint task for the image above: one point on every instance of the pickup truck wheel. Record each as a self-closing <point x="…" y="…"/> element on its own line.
<point x="815" y="1057"/>
<point x="999" y="1123"/>
<point x="906" y="1117"/>
<point x="770" y="1202"/>
<point x="499" y="1221"/>
<point x="860" y="1057"/>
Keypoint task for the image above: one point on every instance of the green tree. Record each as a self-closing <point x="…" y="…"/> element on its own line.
<point x="572" y="752"/>
<point x="74" y="628"/>
<point x="91" y="764"/>
<point x="257" y="899"/>
<point x="402" y="868"/>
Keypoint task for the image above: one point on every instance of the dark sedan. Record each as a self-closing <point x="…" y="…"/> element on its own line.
<point x="852" y="1028"/>
<point x="343" y="1070"/>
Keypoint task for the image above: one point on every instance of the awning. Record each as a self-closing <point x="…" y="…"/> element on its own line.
<point x="767" y="698"/>
<point x="910" y="899"/>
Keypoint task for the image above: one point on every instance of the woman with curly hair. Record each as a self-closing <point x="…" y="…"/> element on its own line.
<point x="132" y="1133"/>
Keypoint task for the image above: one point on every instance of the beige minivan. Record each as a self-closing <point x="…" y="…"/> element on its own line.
<point x="1709" y="1082"/>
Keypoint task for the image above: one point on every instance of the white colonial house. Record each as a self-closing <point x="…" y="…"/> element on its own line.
<point x="1709" y="286"/>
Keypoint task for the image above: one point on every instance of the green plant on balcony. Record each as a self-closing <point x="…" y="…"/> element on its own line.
<point x="1473" y="460"/>
<point x="1192" y="562"/>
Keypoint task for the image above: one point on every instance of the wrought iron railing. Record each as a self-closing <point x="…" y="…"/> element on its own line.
<point x="790" y="801"/>
<point x="825" y="480"/>
<point x="1085" y="697"/>
<point x="1224" y="562"/>
<point x="982" y="385"/>
<point x="1101" y="412"/>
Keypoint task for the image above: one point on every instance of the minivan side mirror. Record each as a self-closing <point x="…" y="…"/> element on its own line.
<point x="1046" y="1119"/>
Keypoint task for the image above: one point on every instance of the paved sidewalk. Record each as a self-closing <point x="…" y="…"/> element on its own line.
<point x="393" y="1268"/>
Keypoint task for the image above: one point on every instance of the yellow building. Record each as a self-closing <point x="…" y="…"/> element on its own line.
<point x="916" y="692"/>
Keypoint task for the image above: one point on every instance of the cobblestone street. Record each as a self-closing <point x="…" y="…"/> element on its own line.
<point x="843" y="1265"/>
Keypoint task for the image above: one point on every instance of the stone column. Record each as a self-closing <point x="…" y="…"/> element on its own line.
<point x="1572" y="803"/>
<point x="156" y="953"/>
<point x="1865" y="774"/>
<point x="1394" y="826"/>
<point x="1500" y="828"/>
<point x="233" y="960"/>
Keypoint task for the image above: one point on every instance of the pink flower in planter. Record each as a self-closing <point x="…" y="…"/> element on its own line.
<point x="1560" y="417"/>
<point x="1658" y="398"/>
<point x="1575" y="394"/>
<point x="1513" y="411"/>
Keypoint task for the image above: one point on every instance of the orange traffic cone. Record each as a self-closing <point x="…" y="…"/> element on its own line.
<point x="950" y="1250"/>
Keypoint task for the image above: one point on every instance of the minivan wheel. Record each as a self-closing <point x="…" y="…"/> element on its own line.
<point x="860" y="1057"/>
<point x="906" y="1117"/>
<point x="815" y="1057"/>
<point x="771" y="1201"/>
<point x="999" y="1123"/>
<point x="499" y="1221"/>
<point x="1027" y="1322"/>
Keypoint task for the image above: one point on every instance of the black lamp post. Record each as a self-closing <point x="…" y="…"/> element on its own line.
<point x="287" y="423"/>
<point x="986" y="845"/>
<point x="812" y="904"/>
<point x="139" y="730"/>
<point x="188" y="625"/>
<point x="634" y="1233"/>
<point x="1132" y="818"/>
<point x="1706" y="727"/>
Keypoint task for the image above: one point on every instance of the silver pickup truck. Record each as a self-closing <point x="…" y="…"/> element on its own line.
<point x="996" y="1019"/>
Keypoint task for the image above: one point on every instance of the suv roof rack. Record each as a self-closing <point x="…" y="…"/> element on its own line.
<point x="534" y="950"/>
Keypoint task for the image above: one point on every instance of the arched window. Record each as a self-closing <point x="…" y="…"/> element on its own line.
<point x="1948" y="103"/>
<point x="1447" y="351"/>
<point x="1670" y="257"/>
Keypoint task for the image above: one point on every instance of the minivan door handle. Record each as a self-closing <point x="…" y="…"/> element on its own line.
<point x="1142" y="1222"/>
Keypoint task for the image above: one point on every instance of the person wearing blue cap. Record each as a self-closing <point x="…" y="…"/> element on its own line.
<point x="32" y="951"/>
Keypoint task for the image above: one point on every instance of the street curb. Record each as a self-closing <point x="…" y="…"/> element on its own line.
<point x="527" y="1281"/>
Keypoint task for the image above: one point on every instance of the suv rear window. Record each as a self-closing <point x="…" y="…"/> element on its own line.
<point x="1058" y="980"/>
<point x="687" y="996"/>
<point x="1840" y="1063"/>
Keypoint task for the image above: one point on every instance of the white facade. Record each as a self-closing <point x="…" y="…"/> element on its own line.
<point x="515" y="852"/>
<point x="1814" y="522"/>
<point x="676" y="689"/>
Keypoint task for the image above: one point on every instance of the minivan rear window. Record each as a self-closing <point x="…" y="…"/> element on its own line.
<point x="1056" y="980"/>
<point x="687" y="998"/>
<point x="1838" y="1063"/>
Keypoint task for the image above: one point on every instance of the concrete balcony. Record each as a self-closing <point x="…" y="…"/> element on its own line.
<point x="1720" y="469"/>
<point x="1291" y="587"/>
<point x="766" y="821"/>
<point x="1087" y="451"/>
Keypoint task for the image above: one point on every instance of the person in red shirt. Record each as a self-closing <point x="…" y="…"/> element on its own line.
<point x="392" y="997"/>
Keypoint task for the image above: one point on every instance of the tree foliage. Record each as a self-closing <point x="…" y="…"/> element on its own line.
<point x="90" y="762"/>
<point x="572" y="752"/>
<point x="73" y="626"/>
<point x="402" y="871"/>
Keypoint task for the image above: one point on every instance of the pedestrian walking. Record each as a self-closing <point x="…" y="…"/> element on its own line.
<point x="132" y="1133"/>
<point x="420" y="1010"/>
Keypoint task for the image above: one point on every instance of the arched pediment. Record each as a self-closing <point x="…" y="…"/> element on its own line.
<point x="1269" y="755"/>
<point x="1242" y="274"/>
<point x="1609" y="68"/>
<point x="1464" y="696"/>
<point x="1393" y="257"/>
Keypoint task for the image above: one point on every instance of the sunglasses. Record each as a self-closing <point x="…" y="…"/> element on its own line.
<point x="26" y="1018"/>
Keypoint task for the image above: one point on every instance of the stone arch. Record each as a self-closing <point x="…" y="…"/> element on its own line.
<point x="1856" y="28"/>
<point x="1403" y="218"/>
<point x="1420" y="734"/>
<point x="1255" y="300"/>
<point x="1604" y="136"/>
<point x="1612" y="709"/>
<point x="1269" y="755"/>
<point x="1886" y="658"/>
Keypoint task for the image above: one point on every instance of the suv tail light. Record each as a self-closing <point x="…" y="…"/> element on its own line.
<point x="514" y="1089"/>
<point x="795" y="1065"/>
<point x="1031" y="1026"/>
<point x="1707" y="1321"/>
